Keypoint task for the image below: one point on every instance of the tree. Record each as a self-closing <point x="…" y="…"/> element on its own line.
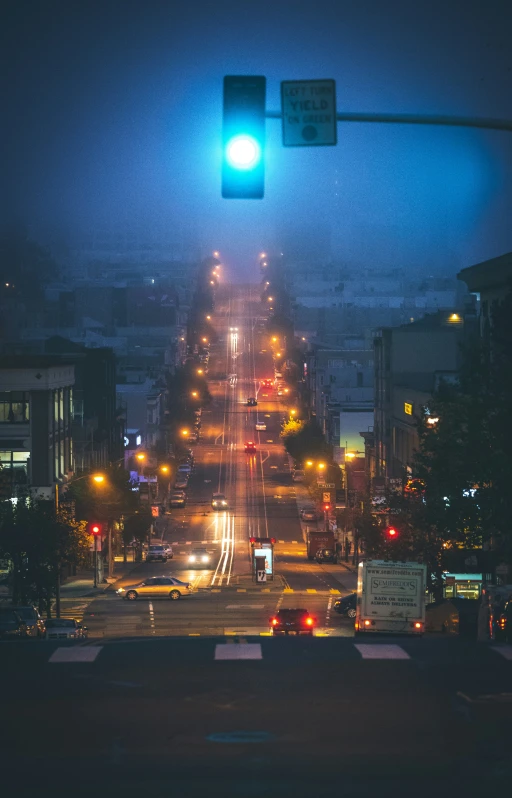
<point x="39" y="543"/>
<point x="136" y="528"/>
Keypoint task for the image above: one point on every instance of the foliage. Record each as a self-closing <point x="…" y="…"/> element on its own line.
<point x="136" y="527"/>
<point x="304" y="439"/>
<point x="39" y="542"/>
<point x="104" y="501"/>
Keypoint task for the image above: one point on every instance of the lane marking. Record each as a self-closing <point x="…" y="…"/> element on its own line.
<point x="241" y="590"/>
<point x="245" y="606"/>
<point x="311" y="590"/>
<point x="238" y="651"/>
<point x="334" y="592"/>
<point x="79" y="654"/>
<point x="288" y="590"/>
<point x="381" y="651"/>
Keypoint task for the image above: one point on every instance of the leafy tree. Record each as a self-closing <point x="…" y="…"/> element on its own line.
<point x="39" y="543"/>
<point x="136" y="528"/>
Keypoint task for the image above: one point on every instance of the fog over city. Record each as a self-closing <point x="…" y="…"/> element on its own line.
<point x="113" y="116"/>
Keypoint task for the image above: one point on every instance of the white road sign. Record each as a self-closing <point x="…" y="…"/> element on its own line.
<point x="309" y="112"/>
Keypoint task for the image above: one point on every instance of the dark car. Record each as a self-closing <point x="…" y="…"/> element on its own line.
<point x="294" y="621"/>
<point x="251" y="402"/>
<point x="250" y="447"/>
<point x="156" y="554"/>
<point x="12" y="625"/>
<point x="346" y="605"/>
<point x="33" y="621"/>
<point x="325" y="555"/>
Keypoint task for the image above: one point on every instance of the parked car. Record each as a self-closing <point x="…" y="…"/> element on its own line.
<point x="346" y="605"/>
<point x="260" y="425"/>
<point x="12" y="625"/>
<point x="181" y="482"/>
<point x="156" y="554"/>
<point x="168" y="550"/>
<point x="309" y="514"/>
<point x="185" y="468"/>
<point x="156" y="587"/>
<point x="33" y="621"/>
<point x="219" y="501"/>
<point x="298" y="475"/>
<point x="252" y="402"/>
<point x="65" y="629"/>
<point x="295" y="621"/>
<point x="178" y="498"/>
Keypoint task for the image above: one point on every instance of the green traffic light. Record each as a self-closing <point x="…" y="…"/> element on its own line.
<point x="243" y="152"/>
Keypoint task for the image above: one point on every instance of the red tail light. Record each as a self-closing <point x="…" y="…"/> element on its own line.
<point x="309" y="621"/>
<point x="418" y="625"/>
<point x="274" y="621"/>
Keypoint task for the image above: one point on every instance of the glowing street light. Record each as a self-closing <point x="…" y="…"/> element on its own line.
<point x="309" y="463"/>
<point x="185" y="433"/>
<point x="204" y="340"/>
<point x="274" y="339"/>
<point x="194" y="394"/>
<point x="270" y="299"/>
<point x="98" y="478"/>
<point x="200" y="371"/>
<point x="216" y="254"/>
<point x="212" y="282"/>
<point x="164" y="469"/>
<point x="140" y="457"/>
<point x="293" y="413"/>
<point x="208" y="318"/>
<point x="321" y="466"/>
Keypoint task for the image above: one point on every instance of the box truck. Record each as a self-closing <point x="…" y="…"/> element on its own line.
<point x="317" y="539"/>
<point x="391" y="597"/>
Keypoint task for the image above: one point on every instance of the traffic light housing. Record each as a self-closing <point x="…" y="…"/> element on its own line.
<point x="391" y="533"/>
<point x="243" y="137"/>
<point x="327" y="507"/>
<point x="95" y="528"/>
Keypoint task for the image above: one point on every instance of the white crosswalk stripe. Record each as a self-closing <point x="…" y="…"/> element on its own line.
<point x="381" y="651"/>
<point x="224" y="651"/>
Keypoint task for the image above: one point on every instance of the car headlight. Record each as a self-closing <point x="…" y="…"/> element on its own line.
<point x="206" y="559"/>
<point x="120" y="590"/>
<point x="224" y="504"/>
<point x="192" y="558"/>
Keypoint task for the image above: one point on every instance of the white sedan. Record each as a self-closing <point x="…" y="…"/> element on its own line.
<point x="64" y="629"/>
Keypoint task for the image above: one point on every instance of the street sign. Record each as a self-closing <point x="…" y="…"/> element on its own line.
<point x="329" y="485"/>
<point x="309" y="113"/>
<point x="326" y="498"/>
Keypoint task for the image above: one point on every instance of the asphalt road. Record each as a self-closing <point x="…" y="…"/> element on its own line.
<point x="193" y="698"/>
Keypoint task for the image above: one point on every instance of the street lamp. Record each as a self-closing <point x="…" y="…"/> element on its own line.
<point x="293" y="413"/>
<point x="208" y="318"/>
<point x="199" y="371"/>
<point x="270" y="299"/>
<point x="194" y="394"/>
<point x="185" y="433"/>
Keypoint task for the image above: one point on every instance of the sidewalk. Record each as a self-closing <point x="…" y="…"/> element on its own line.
<point x="304" y="499"/>
<point x="82" y="586"/>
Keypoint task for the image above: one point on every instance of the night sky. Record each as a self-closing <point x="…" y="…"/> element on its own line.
<point x="113" y="110"/>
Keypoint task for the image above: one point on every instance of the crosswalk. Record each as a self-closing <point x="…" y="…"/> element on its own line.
<point x="242" y="650"/>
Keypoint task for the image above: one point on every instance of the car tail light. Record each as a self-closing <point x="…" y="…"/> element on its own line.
<point x="502" y="622"/>
<point x="309" y="621"/>
<point x="367" y="623"/>
<point x="274" y="622"/>
<point x="418" y="625"/>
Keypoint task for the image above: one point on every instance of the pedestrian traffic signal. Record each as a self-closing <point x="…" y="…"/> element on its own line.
<point x="243" y="137"/>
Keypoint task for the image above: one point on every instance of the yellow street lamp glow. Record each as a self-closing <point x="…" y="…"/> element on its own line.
<point x="199" y="371"/>
<point x="212" y="282"/>
<point x="287" y="390"/>
<point x="141" y="457"/>
<point x="99" y="478"/>
<point x="350" y="455"/>
<point x="278" y="354"/>
<point x="215" y="254"/>
<point x="270" y="299"/>
<point x="274" y="339"/>
<point x="303" y="338"/>
<point x="164" y="469"/>
<point x="309" y="463"/>
<point x="194" y="394"/>
<point x="184" y="432"/>
<point x="293" y="412"/>
<point x="205" y="340"/>
<point x="208" y="318"/>
<point x="321" y="466"/>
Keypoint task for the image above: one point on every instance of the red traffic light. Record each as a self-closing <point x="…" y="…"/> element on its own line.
<point x="391" y="532"/>
<point x="327" y="507"/>
<point x="94" y="528"/>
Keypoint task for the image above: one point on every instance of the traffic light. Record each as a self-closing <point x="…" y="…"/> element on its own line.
<point x="391" y="533"/>
<point x="95" y="528"/>
<point x="327" y="507"/>
<point x="243" y="137"/>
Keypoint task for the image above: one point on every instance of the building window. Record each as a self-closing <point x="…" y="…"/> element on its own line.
<point x="14" y="407"/>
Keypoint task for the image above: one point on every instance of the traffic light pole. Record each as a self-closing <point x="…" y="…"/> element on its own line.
<point x="95" y="561"/>
<point x="416" y="119"/>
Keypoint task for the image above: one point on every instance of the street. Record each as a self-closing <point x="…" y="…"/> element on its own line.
<point x="193" y="697"/>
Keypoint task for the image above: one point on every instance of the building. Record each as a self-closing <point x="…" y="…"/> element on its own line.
<point x="410" y="361"/>
<point x="36" y="417"/>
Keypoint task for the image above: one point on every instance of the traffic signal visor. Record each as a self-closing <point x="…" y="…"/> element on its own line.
<point x="243" y="137"/>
